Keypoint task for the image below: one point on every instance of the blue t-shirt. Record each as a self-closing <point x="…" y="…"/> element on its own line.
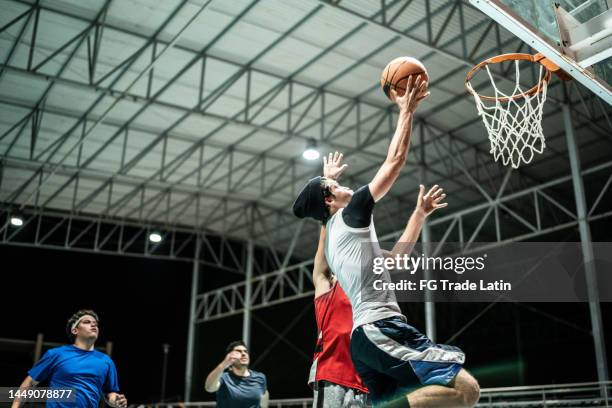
<point x="90" y="373"/>
<point x="241" y="392"/>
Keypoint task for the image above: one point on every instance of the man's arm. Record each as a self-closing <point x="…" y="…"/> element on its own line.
<point x="265" y="399"/>
<point x="213" y="380"/>
<point x="321" y="275"/>
<point x="28" y="383"/>
<point x="398" y="149"/>
<point x="426" y="204"/>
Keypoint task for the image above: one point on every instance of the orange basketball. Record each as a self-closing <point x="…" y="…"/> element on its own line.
<point x="396" y="73"/>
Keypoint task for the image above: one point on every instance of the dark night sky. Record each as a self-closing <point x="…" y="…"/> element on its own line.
<point x="144" y="303"/>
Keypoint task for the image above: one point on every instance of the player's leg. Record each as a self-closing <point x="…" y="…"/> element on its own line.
<point x="411" y="360"/>
<point x="382" y="387"/>
<point x="355" y="399"/>
<point x="329" y="395"/>
<point x="463" y="391"/>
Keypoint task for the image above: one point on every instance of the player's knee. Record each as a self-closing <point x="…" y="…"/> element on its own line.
<point x="470" y="392"/>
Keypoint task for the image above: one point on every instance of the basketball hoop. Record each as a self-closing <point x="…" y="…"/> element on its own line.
<point x="514" y="120"/>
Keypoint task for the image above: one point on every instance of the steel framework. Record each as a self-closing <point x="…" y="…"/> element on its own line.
<point x="181" y="176"/>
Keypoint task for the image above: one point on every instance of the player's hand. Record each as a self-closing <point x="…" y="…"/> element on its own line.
<point x="118" y="400"/>
<point x="332" y="167"/>
<point x="231" y="358"/>
<point x="416" y="91"/>
<point x="428" y="203"/>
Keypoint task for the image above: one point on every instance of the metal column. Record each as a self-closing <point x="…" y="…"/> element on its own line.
<point x="192" y="317"/>
<point x="430" y="307"/>
<point x="587" y="248"/>
<point x="166" y="348"/>
<point x="38" y="347"/>
<point x="246" y="319"/>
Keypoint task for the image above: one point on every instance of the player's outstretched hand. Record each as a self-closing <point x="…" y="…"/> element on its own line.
<point x="416" y="91"/>
<point x="332" y="166"/>
<point x="428" y="203"/>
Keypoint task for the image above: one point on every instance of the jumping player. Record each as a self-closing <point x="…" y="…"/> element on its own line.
<point x="390" y="355"/>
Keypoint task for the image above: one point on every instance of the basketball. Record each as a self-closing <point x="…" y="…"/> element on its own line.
<point x="396" y="73"/>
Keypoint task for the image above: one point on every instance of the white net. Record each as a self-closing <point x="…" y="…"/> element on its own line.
<point x="514" y="121"/>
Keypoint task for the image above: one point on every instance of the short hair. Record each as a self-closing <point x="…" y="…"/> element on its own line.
<point x="233" y="344"/>
<point x="76" y="317"/>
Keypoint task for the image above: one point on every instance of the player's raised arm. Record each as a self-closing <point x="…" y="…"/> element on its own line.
<point x="426" y="204"/>
<point x="213" y="382"/>
<point x="398" y="149"/>
<point x="321" y="275"/>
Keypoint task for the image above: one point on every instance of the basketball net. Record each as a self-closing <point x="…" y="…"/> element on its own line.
<point x="513" y="121"/>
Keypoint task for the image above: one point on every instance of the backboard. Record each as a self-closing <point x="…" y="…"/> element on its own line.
<point x="574" y="34"/>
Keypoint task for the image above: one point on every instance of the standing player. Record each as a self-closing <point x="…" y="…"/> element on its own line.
<point x="390" y="355"/>
<point x="235" y="384"/>
<point x="90" y="373"/>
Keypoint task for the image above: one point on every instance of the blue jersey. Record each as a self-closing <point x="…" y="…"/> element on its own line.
<point x="90" y="373"/>
<point x="241" y="392"/>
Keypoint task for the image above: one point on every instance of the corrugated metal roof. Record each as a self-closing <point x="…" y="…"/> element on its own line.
<point x="212" y="114"/>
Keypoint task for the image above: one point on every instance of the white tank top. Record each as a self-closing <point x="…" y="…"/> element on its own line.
<point x="348" y="250"/>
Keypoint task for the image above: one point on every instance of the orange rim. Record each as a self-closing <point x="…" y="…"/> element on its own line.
<point x="548" y="65"/>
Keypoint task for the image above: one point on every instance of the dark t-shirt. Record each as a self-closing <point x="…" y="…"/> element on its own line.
<point x="358" y="213"/>
<point x="241" y="392"/>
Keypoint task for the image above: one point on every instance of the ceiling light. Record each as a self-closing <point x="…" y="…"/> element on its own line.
<point x="311" y="152"/>
<point x="16" y="221"/>
<point x="155" y="237"/>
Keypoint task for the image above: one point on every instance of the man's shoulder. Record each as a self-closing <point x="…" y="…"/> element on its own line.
<point x="102" y="356"/>
<point x="66" y="348"/>
<point x="226" y="377"/>
<point x="361" y="197"/>
<point x="59" y="353"/>
<point x="257" y="374"/>
<point x="363" y="190"/>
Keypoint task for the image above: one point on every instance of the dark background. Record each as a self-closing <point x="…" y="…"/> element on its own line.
<point x="144" y="303"/>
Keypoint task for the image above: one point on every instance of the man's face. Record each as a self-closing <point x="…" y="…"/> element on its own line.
<point x="244" y="356"/>
<point x="341" y="195"/>
<point x="87" y="329"/>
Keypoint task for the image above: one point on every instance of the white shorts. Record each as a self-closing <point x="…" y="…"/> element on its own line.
<point x="330" y="395"/>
